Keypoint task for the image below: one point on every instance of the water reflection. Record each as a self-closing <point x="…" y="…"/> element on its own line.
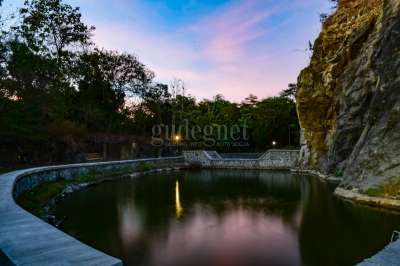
<point x="178" y="206"/>
<point x="239" y="237"/>
<point x="231" y="218"/>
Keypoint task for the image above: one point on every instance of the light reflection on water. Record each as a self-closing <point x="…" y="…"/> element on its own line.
<point x="224" y="218"/>
<point x="178" y="206"/>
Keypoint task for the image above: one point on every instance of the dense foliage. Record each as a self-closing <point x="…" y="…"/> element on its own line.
<point x="61" y="97"/>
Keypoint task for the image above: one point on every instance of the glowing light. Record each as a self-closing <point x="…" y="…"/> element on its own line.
<point x="178" y="206"/>
<point x="274" y="143"/>
<point x="177" y="138"/>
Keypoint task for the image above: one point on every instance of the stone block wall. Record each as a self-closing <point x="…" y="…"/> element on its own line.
<point x="272" y="159"/>
<point x="36" y="176"/>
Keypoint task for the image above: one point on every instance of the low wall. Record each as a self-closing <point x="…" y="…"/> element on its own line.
<point x="27" y="240"/>
<point x="241" y="155"/>
<point x="272" y="159"/>
<point x="36" y="176"/>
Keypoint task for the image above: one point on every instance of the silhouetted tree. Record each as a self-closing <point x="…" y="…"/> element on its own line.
<point x="50" y="26"/>
<point x="250" y="100"/>
<point x="290" y="92"/>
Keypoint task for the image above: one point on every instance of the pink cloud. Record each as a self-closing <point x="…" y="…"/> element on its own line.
<point x="227" y="30"/>
<point x="230" y="51"/>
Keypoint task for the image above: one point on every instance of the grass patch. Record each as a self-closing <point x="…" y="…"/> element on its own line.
<point x="374" y="192"/>
<point x="88" y="177"/>
<point x="389" y="189"/>
<point x="34" y="200"/>
<point x="142" y="167"/>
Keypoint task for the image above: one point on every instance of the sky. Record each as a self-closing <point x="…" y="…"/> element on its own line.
<point x="228" y="47"/>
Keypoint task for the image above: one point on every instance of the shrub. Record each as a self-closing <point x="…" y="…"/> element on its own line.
<point x="142" y="167"/>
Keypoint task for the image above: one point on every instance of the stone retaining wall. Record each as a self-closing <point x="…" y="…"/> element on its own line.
<point x="356" y="196"/>
<point x="272" y="159"/>
<point x="27" y="240"/>
<point x="36" y="176"/>
<point x="241" y="155"/>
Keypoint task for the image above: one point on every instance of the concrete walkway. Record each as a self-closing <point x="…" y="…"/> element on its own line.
<point x="389" y="256"/>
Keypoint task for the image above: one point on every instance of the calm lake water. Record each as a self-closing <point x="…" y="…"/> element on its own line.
<point x="224" y="217"/>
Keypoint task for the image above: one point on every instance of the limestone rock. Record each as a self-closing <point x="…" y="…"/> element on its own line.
<point x="348" y="98"/>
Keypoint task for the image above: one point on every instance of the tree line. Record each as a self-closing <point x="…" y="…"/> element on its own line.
<point x="62" y="96"/>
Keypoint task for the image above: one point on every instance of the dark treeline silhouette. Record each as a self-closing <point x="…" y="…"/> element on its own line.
<point x="62" y="98"/>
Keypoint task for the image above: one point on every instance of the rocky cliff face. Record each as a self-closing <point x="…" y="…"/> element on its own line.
<point x="348" y="99"/>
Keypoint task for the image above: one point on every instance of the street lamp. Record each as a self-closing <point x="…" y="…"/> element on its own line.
<point x="274" y="142"/>
<point x="177" y="139"/>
